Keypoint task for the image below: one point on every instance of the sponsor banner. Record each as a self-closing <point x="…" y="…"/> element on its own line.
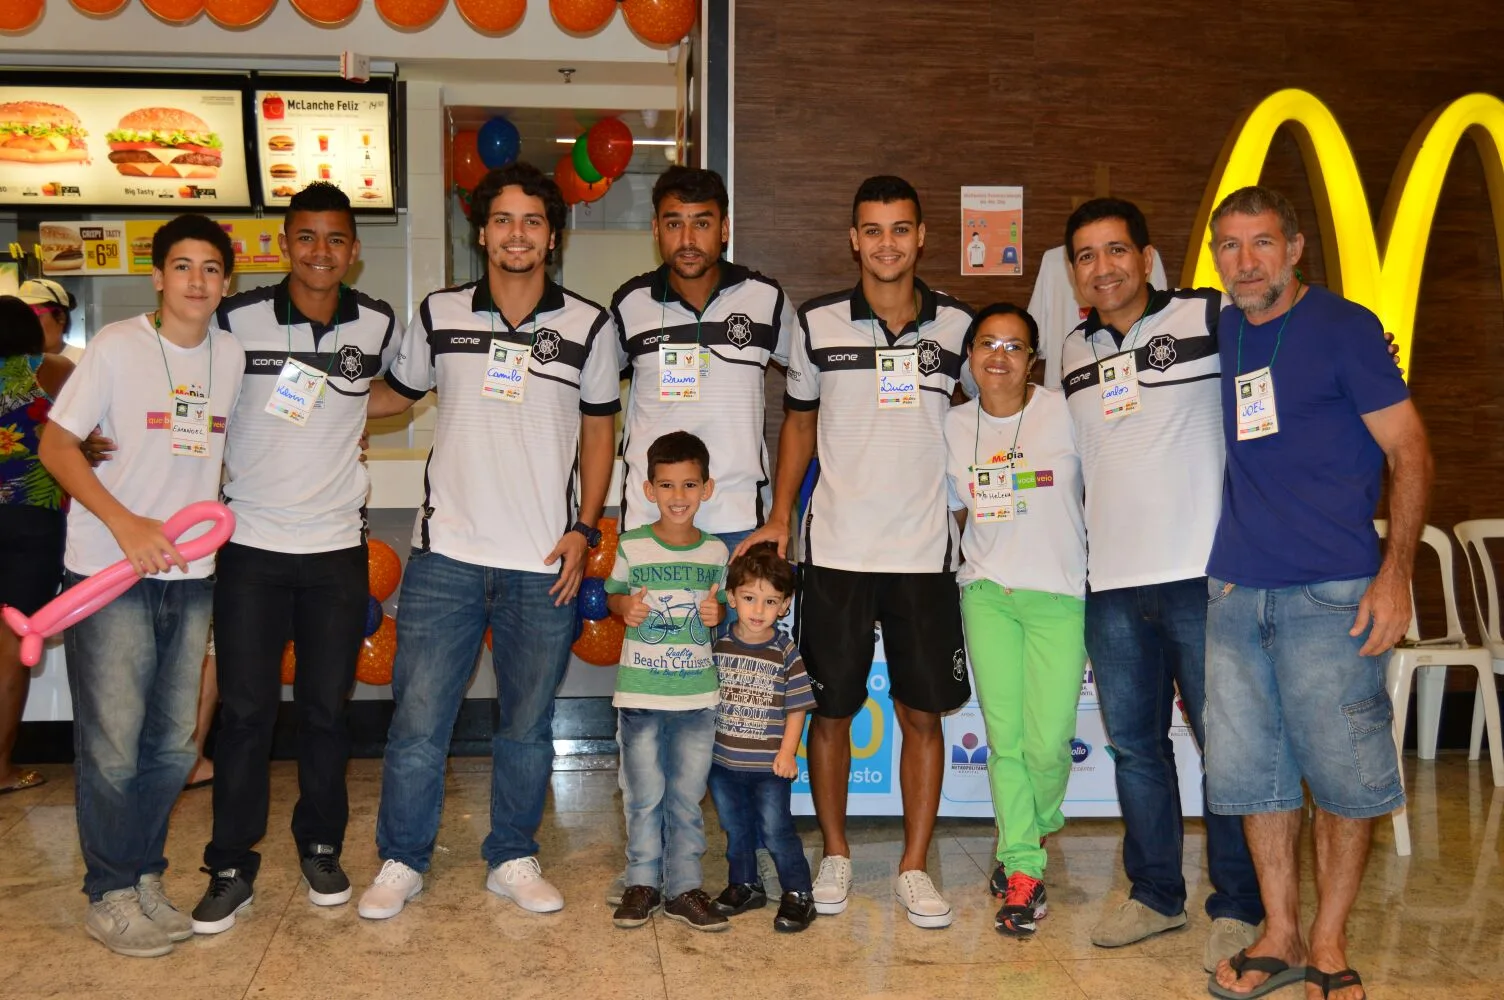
<point x="99" y="248"/>
<point x="874" y="753"/>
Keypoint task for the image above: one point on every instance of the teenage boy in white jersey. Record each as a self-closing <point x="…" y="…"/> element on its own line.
<point x="162" y="386"/>
<point x="527" y="373"/>
<point x="880" y="362"/>
<point x="296" y="568"/>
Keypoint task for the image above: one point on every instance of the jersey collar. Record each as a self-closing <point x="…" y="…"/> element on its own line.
<point x="1157" y="301"/>
<point x="552" y="300"/>
<point x="288" y="314"/>
<point x="663" y="290"/>
<point x="861" y="310"/>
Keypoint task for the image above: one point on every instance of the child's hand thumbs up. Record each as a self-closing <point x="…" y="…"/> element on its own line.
<point x="710" y="608"/>
<point x="637" y="612"/>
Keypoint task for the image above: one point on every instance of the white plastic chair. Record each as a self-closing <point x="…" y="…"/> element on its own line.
<point x="1472" y="535"/>
<point x="1452" y="650"/>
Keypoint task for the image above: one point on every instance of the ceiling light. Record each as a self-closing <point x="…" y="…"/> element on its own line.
<point x="566" y="141"/>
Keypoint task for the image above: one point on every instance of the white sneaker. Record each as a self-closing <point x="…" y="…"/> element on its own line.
<point x="394" y="885"/>
<point x="832" y="884"/>
<point x="522" y="881"/>
<point x="926" y="907"/>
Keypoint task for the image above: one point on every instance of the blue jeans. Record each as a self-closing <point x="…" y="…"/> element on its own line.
<point x="1144" y="642"/>
<point x="443" y="610"/>
<point x="666" y="758"/>
<point x="754" y="810"/>
<point x="1288" y="697"/>
<point x="133" y="673"/>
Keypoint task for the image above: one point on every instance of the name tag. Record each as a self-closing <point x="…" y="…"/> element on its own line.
<point x="1253" y="395"/>
<point x="1117" y="380"/>
<point x="898" y="378"/>
<point x="679" y="373"/>
<point x="299" y="391"/>
<point x="992" y="493"/>
<point x="189" y="427"/>
<point x="506" y="371"/>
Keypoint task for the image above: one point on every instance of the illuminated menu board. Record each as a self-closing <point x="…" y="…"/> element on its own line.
<point x="338" y="136"/>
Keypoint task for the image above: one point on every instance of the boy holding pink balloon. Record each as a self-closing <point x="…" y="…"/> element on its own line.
<point x="162" y="385"/>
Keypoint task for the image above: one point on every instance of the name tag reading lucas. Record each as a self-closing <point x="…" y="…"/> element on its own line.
<point x="678" y="373"/>
<point x="992" y="493"/>
<point x="189" y="426"/>
<point x="506" y="371"/>
<point x="1117" y="380"/>
<point x="1254" y="398"/>
<point x="897" y="378"/>
<point x="299" y="391"/>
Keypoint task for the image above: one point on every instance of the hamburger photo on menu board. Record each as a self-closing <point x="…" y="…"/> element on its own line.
<point x="165" y="142"/>
<point x="62" y="250"/>
<point x="39" y="132"/>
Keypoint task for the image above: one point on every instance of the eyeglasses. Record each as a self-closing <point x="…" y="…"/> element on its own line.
<point x="988" y="345"/>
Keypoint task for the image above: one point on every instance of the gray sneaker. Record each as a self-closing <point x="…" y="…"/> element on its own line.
<point x="160" y="911"/>
<point x="116" y="922"/>
<point x="1131" y="922"/>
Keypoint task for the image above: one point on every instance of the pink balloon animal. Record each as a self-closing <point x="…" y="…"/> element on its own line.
<point x="82" y="600"/>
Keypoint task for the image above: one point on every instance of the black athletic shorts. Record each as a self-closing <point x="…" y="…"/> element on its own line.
<point x="31" y="556"/>
<point x="920" y="614"/>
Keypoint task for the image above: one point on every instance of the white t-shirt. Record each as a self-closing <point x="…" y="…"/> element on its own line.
<point x="747" y="322"/>
<point x="1044" y="547"/>
<point x="1058" y="311"/>
<point x="121" y="386"/>
<point x="501" y="486"/>
<point x="303" y="489"/>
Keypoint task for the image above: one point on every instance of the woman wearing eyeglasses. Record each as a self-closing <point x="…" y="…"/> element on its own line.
<point x="1015" y="485"/>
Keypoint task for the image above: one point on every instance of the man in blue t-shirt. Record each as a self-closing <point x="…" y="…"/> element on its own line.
<point x="1303" y="607"/>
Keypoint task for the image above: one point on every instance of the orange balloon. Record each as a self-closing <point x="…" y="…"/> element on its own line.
<point x="410" y="13"/>
<point x="569" y="182"/>
<point x="600" y="642"/>
<point x="289" y="663"/>
<point x="602" y="558"/>
<point x="492" y="16"/>
<point x="662" y="22"/>
<point x="385" y="569"/>
<point x="465" y="163"/>
<point x="582" y="16"/>
<point x="175" y="11"/>
<point x="487" y="637"/>
<point x="377" y="651"/>
<point x="100" y="7"/>
<point x="596" y="191"/>
<point x="327" y="12"/>
<point x="238" y="13"/>
<point x="18" y="15"/>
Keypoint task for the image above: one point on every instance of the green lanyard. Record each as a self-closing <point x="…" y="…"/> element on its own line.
<point x="872" y="321"/>
<point x="1278" y="336"/>
<point x="663" y="313"/>
<point x="333" y="354"/>
<point x="976" y="445"/>
<point x="172" y="386"/>
<point x="1127" y="340"/>
<point x="532" y="318"/>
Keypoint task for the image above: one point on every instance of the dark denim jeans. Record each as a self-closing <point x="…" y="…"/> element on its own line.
<point x="1144" y="642"/>
<point x="133" y="673"/>
<point x="443" y="610"/>
<point x="753" y="807"/>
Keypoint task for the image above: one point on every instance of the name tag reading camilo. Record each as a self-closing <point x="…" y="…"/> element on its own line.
<point x="1117" y="380"/>
<point x="1254" y="398"/>
<point x="898" y="378"/>
<point x="298" y="392"/>
<point x="506" y="371"/>
<point x="678" y="373"/>
<point x="189" y="426"/>
<point x="992" y="493"/>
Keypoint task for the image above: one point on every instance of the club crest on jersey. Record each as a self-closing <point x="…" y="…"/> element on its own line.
<point x="1162" y="352"/>
<point x="929" y="357"/>
<point x="350" y="362"/>
<point x="546" y="345"/>
<point x="739" y="329"/>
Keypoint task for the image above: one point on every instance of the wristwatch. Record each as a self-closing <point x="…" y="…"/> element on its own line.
<point x="592" y="535"/>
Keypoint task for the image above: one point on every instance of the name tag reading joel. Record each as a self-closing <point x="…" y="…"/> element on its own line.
<point x="506" y="371"/>
<point x="190" y="426"/>
<point x="298" y="392"/>
<point x="897" y="378"/>
<point x="1117" y="379"/>
<point x="992" y="493"/>
<point x="678" y="373"/>
<point x="1254" y="394"/>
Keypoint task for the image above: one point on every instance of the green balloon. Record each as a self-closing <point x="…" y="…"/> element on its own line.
<point x="582" y="164"/>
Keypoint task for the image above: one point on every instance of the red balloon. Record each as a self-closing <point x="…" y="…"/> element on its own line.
<point x="377" y="651"/>
<point x="582" y="16"/>
<point x="600" y="642"/>
<point x="662" y="22"/>
<point x="289" y="663"/>
<point x="609" y="144"/>
<point x="385" y="569"/>
<point x="602" y="558"/>
<point x="465" y="163"/>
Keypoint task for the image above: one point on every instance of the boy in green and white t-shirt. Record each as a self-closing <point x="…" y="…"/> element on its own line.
<point x="666" y="585"/>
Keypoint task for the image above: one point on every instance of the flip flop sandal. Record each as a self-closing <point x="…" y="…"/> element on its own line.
<point x="1329" y="981"/>
<point x="1281" y="974"/>
<point x="28" y="779"/>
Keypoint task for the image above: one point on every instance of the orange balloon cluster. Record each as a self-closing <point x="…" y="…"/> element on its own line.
<point x="582" y="16"/>
<point x="238" y="13"/>
<point x="602" y="558"/>
<point x="600" y="642"/>
<point x="409" y="13"/>
<point x="573" y="187"/>
<point x="492" y="16"/>
<point x="100" y="8"/>
<point x="662" y="22"/>
<point x="377" y="651"/>
<point x="385" y="569"/>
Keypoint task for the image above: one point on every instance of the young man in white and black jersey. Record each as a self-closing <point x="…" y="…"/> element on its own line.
<point x="1142" y="382"/>
<point x="527" y="376"/>
<point x="296" y="569"/>
<point x="871" y="374"/>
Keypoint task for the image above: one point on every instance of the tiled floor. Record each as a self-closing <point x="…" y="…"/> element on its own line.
<point x="1431" y="925"/>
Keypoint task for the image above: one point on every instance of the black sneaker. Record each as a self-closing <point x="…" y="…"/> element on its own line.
<point x="637" y="905"/>
<point x="998" y="883"/>
<point x="795" y="912"/>
<point x="695" y="909"/>
<point x="327" y="883"/>
<point x="1022" y="907"/>
<point x="229" y="892"/>
<point x="739" y="897"/>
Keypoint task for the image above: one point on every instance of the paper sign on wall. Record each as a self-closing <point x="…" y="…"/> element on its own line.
<point x="992" y="224"/>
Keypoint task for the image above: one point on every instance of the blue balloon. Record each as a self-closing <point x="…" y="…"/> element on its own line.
<point x="373" y="615"/>
<point x="592" y="598"/>
<point x="498" y="142"/>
